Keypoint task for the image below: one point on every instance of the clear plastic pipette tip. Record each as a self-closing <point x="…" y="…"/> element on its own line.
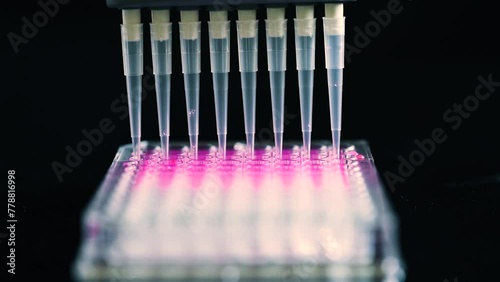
<point x="334" y="30"/>
<point x="250" y="143"/>
<point x="305" y="33"/>
<point x="278" y="96"/>
<point x="222" y="144"/>
<point x="131" y="36"/>
<point x="221" y="113"/>
<point x="336" y="142"/>
<point x="276" y="55"/>
<point x="134" y="103"/>
<point x="136" y="146"/>
<point x="248" y="54"/>
<point x="278" y="141"/>
<point x="164" y="141"/>
<point x="189" y="29"/>
<point x="306" y="138"/>
<point x="193" y="143"/>
<point x="161" y="41"/>
<point x="218" y="30"/>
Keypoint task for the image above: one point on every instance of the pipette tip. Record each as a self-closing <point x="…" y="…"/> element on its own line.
<point x="336" y="142"/>
<point x="164" y="146"/>
<point x="193" y="142"/>
<point x="278" y="141"/>
<point x="306" y="136"/>
<point x="250" y="143"/>
<point x="222" y="144"/>
<point x="136" y="146"/>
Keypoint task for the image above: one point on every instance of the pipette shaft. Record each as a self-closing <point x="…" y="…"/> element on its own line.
<point x="131" y="33"/>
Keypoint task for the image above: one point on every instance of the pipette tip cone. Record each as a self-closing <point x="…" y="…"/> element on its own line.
<point x="336" y="142"/>
<point x="306" y="136"/>
<point x="222" y="145"/>
<point x="278" y="141"/>
<point x="193" y="142"/>
<point x="164" y="146"/>
<point x="250" y="143"/>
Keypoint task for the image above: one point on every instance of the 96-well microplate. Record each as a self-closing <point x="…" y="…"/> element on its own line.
<point x="294" y="218"/>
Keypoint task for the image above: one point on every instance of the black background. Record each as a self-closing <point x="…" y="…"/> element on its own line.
<point x="396" y="90"/>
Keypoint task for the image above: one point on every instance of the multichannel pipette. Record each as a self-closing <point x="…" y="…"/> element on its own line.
<point x="265" y="211"/>
<point x="248" y="48"/>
